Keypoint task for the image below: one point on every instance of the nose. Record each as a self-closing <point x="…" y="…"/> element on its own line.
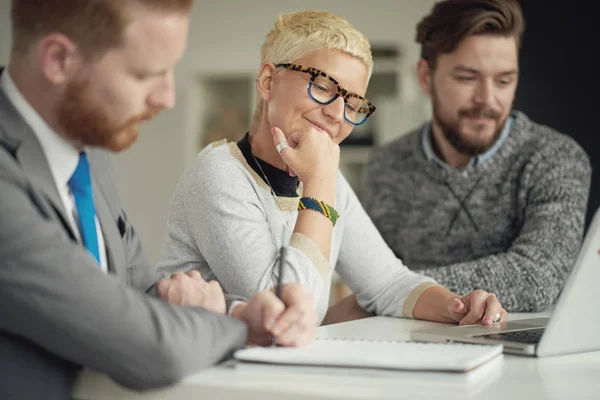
<point x="335" y="109"/>
<point x="484" y="93"/>
<point x="163" y="93"/>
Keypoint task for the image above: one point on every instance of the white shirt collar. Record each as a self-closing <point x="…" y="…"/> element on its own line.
<point x="61" y="155"/>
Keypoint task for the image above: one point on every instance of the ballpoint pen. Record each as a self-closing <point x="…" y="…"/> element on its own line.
<point x="279" y="280"/>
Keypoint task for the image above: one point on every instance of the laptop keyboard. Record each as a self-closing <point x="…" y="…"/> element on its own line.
<point x="529" y="336"/>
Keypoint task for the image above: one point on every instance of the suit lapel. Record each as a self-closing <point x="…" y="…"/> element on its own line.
<point x="18" y="137"/>
<point x="31" y="157"/>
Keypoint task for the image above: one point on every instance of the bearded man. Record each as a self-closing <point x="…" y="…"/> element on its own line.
<point x="480" y="197"/>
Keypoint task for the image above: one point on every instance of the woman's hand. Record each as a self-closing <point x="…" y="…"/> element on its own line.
<point x="478" y="307"/>
<point x="310" y="154"/>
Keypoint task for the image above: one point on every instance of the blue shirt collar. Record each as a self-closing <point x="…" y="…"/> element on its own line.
<point x="430" y="155"/>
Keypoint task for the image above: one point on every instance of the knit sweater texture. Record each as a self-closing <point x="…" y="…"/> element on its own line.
<point x="225" y="223"/>
<point x="511" y="225"/>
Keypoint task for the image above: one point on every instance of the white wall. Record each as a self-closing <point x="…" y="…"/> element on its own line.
<point x="225" y="36"/>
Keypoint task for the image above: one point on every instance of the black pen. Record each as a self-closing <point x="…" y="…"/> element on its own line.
<point x="279" y="280"/>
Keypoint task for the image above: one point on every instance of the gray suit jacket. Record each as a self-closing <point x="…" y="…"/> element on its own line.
<point x="59" y="312"/>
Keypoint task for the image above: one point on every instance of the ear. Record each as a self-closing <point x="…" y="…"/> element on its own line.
<point x="424" y="73"/>
<point x="58" y="58"/>
<point x="264" y="80"/>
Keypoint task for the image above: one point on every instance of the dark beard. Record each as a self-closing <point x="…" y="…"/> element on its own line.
<point x="460" y="142"/>
<point x="87" y="124"/>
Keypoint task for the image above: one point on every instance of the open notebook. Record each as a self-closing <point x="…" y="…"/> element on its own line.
<point x="361" y="353"/>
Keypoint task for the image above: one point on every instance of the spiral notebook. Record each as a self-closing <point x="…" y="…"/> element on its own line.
<point x="379" y="354"/>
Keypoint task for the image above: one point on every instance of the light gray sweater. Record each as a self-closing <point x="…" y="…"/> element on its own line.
<point x="510" y="224"/>
<point x="224" y="222"/>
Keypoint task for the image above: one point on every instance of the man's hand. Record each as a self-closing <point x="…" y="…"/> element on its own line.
<point x="478" y="307"/>
<point x="190" y="289"/>
<point x="291" y="319"/>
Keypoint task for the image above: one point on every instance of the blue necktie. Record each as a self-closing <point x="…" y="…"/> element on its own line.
<point x="81" y="186"/>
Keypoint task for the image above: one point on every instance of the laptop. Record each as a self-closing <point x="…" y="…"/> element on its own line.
<point x="573" y="327"/>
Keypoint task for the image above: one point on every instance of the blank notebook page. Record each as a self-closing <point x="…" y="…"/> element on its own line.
<point x="376" y="354"/>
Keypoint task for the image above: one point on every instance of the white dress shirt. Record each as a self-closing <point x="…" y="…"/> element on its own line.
<point x="62" y="157"/>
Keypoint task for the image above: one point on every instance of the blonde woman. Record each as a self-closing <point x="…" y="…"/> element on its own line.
<point x="237" y="206"/>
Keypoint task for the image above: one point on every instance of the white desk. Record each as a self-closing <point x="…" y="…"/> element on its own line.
<point x="512" y="377"/>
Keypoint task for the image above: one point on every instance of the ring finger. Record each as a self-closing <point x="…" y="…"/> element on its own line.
<point x="493" y="310"/>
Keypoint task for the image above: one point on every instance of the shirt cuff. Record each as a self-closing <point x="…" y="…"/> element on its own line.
<point x="233" y="305"/>
<point x="310" y="249"/>
<point x="413" y="297"/>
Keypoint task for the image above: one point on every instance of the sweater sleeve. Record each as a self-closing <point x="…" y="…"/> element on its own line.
<point x="528" y="277"/>
<point x="220" y="213"/>
<point x="381" y="282"/>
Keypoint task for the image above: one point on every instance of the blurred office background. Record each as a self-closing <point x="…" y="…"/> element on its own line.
<point x="215" y="93"/>
<point x="215" y="89"/>
<point x="559" y="84"/>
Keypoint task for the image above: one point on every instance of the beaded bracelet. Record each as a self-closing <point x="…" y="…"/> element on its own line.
<point x="309" y="203"/>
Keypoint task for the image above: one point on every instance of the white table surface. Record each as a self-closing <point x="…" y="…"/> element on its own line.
<point x="509" y="377"/>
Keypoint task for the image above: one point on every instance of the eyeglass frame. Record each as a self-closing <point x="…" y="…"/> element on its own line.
<point x="341" y="92"/>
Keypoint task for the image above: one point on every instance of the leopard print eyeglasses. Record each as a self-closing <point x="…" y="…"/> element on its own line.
<point x="324" y="89"/>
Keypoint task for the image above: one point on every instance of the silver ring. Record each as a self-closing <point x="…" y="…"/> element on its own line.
<point x="281" y="145"/>
<point x="497" y="318"/>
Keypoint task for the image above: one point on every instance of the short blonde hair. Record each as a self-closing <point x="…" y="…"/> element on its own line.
<point x="300" y="33"/>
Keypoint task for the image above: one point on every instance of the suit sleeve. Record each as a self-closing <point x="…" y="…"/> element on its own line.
<point x="53" y="294"/>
